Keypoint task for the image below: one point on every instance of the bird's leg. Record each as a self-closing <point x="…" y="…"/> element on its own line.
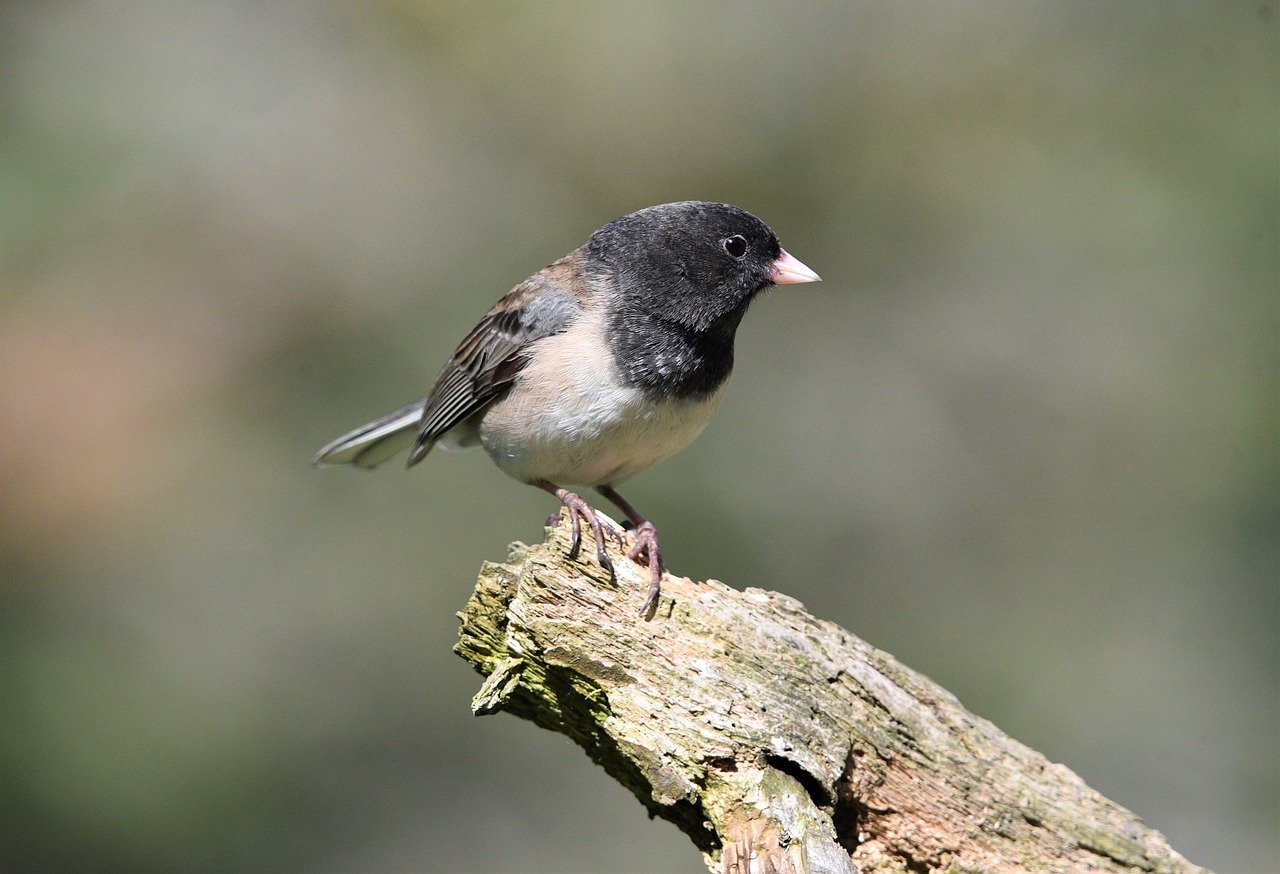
<point x="646" y="544"/>
<point x="579" y="510"/>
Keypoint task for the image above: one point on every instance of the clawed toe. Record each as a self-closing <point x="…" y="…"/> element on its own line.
<point x="646" y="545"/>
<point x="578" y="509"/>
<point x="603" y="557"/>
<point x="644" y="548"/>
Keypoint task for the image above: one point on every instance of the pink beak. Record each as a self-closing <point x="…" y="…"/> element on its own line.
<point x="790" y="270"/>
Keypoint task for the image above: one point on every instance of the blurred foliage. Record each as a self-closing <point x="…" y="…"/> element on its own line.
<point x="1025" y="435"/>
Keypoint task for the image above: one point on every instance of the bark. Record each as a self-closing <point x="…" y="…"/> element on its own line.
<point x="774" y="740"/>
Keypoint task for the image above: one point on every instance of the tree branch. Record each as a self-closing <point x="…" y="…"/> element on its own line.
<point x="774" y="740"/>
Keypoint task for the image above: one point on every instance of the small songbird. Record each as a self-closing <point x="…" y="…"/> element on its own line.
<point x="599" y="365"/>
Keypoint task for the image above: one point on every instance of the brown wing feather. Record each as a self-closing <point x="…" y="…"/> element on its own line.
<point x="491" y="356"/>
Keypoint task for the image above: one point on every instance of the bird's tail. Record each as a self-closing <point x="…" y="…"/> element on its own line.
<point x="374" y="442"/>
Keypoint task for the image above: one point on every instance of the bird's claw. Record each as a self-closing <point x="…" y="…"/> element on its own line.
<point x="644" y="548"/>
<point x="646" y="544"/>
<point x="578" y="510"/>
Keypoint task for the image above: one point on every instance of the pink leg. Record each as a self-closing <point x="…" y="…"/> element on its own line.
<point x="579" y="510"/>
<point x="646" y="537"/>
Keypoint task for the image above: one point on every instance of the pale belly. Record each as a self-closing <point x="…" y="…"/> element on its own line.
<point x="579" y="425"/>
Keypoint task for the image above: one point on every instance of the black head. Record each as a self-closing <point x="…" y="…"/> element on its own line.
<point x="681" y="276"/>
<point x="693" y="263"/>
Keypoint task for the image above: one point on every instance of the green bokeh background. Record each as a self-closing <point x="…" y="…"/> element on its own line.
<point x="1024" y="435"/>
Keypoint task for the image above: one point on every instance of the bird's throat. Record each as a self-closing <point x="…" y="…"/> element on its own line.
<point x="665" y="359"/>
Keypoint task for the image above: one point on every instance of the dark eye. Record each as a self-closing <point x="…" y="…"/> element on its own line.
<point x="736" y="245"/>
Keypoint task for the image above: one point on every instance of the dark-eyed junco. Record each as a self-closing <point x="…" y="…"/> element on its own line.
<point x="599" y="365"/>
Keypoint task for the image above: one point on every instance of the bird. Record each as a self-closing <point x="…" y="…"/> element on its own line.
<point x="597" y="366"/>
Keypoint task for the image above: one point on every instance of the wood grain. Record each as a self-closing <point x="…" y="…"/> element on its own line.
<point x="774" y="740"/>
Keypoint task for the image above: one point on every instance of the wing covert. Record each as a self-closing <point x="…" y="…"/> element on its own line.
<point x="491" y="356"/>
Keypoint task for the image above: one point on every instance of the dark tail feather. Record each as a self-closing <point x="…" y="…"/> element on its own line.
<point x="374" y="442"/>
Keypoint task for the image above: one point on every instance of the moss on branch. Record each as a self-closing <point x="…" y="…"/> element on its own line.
<point x="766" y="734"/>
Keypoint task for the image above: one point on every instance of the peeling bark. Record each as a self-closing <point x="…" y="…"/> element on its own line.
<point x="774" y="740"/>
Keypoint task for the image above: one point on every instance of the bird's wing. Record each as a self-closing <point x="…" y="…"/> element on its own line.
<point x="491" y="356"/>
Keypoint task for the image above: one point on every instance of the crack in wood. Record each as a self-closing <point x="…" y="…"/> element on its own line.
<point x="772" y="738"/>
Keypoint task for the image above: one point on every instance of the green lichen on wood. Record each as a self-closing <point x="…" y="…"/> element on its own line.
<point x="559" y="693"/>
<point x="765" y="733"/>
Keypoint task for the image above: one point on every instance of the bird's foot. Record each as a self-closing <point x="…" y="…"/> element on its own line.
<point x="578" y="510"/>
<point x="646" y="545"/>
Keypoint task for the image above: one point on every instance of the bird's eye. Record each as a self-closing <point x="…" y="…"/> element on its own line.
<point x="736" y="245"/>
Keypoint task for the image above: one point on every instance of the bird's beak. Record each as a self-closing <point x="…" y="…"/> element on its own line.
<point x="790" y="270"/>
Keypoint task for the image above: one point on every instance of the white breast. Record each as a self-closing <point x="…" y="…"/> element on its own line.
<point x="570" y="419"/>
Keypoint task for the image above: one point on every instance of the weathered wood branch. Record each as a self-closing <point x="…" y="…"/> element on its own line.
<point x="774" y="740"/>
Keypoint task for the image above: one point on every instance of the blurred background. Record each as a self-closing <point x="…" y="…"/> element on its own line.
<point x="1025" y="435"/>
